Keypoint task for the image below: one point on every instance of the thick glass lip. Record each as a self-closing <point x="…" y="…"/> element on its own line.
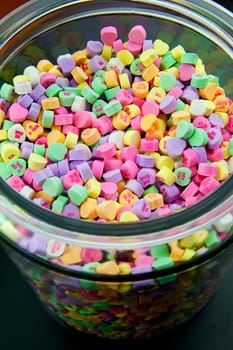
<point x="215" y="202"/>
<point x="214" y="20"/>
<point x="185" y="266"/>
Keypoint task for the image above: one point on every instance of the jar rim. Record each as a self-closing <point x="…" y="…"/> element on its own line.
<point x="198" y="261"/>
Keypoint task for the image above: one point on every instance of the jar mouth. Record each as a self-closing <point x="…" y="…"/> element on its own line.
<point x="197" y="212"/>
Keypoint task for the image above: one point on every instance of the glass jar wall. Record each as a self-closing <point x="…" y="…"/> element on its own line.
<point x="108" y="279"/>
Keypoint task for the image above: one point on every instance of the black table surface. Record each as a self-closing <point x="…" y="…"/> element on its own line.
<point x="26" y="325"/>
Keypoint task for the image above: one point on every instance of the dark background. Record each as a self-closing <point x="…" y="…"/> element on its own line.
<point x="25" y="325"/>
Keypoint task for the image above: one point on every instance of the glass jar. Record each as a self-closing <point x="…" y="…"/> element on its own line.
<point x="119" y="280"/>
